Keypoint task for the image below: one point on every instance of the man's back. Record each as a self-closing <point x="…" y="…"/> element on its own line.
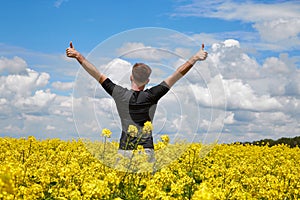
<point x="135" y="108"/>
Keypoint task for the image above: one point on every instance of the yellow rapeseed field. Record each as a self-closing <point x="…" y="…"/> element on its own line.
<point x="56" y="169"/>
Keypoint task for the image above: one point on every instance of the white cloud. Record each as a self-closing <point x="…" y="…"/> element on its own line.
<point x="281" y="76"/>
<point x="22" y="84"/>
<point x="13" y="129"/>
<point x="49" y="127"/>
<point x="229" y="118"/>
<point x="232" y="62"/>
<point x="3" y="101"/>
<point x="238" y="96"/>
<point x="275" y="22"/>
<point x="231" y="43"/>
<point x="91" y="115"/>
<point x="13" y="66"/>
<point x="62" y="85"/>
<point x="118" y="70"/>
<point x="27" y="104"/>
<point x="217" y="124"/>
<point x="275" y="65"/>
<point x="137" y="50"/>
<point x="280" y="30"/>
<point x="58" y="3"/>
<point x="131" y="46"/>
<point x="242" y="96"/>
<point x="37" y="103"/>
<point x="276" y="76"/>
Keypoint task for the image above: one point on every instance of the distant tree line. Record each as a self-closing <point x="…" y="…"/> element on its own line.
<point x="291" y="142"/>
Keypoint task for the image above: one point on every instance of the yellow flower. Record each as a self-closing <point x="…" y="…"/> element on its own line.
<point x="31" y="138"/>
<point x="106" y="132"/>
<point x="147" y="127"/>
<point x="140" y="148"/>
<point x="132" y="130"/>
<point x="165" y="139"/>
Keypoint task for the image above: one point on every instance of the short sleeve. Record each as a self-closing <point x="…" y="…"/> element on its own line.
<point x="108" y="86"/>
<point x="117" y="92"/>
<point x="159" y="91"/>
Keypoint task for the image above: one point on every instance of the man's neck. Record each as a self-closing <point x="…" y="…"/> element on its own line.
<point x="136" y="87"/>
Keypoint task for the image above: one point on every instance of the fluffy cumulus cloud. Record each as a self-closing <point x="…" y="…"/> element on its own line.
<point x="12" y="66"/>
<point x="282" y="29"/>
<point x="13" y="85"/>
<point x="262" y="97"/>
<point x="38" y="103"/>
<point x="27" y="105"/>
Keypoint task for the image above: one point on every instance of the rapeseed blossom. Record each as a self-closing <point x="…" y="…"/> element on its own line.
<point x="147" y="128"/>
<point x="132" y="130"/>
<point x="106" y="133"/>
<point x="165" y="139"/>
<point x="140" y="148"/>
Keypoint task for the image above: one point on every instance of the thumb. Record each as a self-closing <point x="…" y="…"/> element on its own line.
<point x="71" y="45"/>
<point x="202" y="48"/>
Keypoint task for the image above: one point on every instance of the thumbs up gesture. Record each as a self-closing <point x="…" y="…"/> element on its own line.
<point x="71" y="52"/>
<point x="201" y="54"/>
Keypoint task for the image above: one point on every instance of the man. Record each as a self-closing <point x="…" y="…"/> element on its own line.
<point x="136" y="106"/>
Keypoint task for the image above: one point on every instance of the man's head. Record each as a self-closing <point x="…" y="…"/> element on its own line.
<point x="141" y="73"/>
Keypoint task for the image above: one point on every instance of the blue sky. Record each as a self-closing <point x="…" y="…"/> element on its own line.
<point x="45" y="26"/>
<point x="254" y="45"/>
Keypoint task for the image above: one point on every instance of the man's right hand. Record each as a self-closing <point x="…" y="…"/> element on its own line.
<point x="71" y="52"/>
<point x="201" y="54"/>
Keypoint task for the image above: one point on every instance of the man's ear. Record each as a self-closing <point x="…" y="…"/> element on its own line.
<point x="131" y="78"/>
<point x="147" y="81"/>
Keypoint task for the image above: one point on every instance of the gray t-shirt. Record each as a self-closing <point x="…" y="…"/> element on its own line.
<point x="135" y="108"/>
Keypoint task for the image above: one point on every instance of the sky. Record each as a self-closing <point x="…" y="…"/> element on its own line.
<point x="248" y="88"/>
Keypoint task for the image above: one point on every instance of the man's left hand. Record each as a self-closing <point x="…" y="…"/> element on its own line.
<point x="71" y="52"/>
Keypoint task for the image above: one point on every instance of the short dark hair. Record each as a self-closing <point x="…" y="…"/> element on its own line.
<point x="141" y="73"/>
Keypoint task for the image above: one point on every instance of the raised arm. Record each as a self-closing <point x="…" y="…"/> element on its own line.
<point x="183" y="69"/>
<point x="89" y="67"/>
